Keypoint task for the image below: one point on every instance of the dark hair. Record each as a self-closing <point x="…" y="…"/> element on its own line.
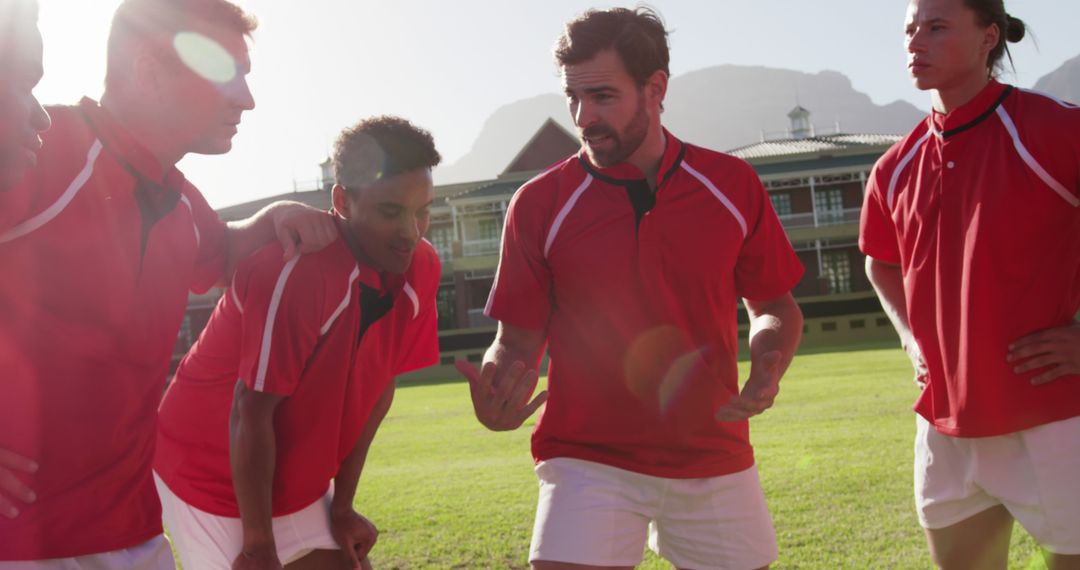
<point x="637" y="35"/>
<point x="990" y="12"/>
<point x="156" y="22"/>
<point x="381" y="146"/>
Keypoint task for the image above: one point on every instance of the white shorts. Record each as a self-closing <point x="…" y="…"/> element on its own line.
<point x="153" y="554"/>
<point x="211" y="542"/>
<point x="1034" y="473"/>
<point x="595" y="514"/>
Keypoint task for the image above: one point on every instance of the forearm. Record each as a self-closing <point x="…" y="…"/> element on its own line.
<point x="508" y="349"/>
<point x="888" y="282"/>
<point x="776" y="326"/>
<point x="252" y="455"/>
<point x="248" y="235"/>
<point x="348" y="475"/>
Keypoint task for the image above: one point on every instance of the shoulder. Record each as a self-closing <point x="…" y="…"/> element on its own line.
<point x="69" y="142"/>
<point x="318" y="275"/>
<point x="551" y="186"/>
<point x="1030" y="109"/>
<point x="426" y="268"/>
<point x="902" y="150"/>
<point x="717" y="166"/>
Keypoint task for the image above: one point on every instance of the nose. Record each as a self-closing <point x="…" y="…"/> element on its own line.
<point x="914" y="41"/>
<point x="39" y="119"/>
<point x="410" y="229"/>
<point x="582" y="114"/>
<point x="241" y="95"/>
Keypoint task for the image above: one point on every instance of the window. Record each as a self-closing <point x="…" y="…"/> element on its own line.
<point x="781" y="203"/>
<point x="446" y="304"/>
<point x="829" y="326"/>
<point x="488" y="229"/>
<point x="829" y="205"/>
<point x="836" y="271"/>
<point x="858" y="324"/>
<point x="442" y="238"/>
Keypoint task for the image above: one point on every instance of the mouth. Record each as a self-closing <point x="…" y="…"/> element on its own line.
<point x="596" y="140"/>
<point x="402" y="251"/>
<point x="917" y="66"/>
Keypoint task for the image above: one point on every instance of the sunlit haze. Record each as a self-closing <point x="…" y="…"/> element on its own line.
<point x="319" y="65"/>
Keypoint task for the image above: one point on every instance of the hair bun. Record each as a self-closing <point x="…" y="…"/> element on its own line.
<point x="1016" y="29"/>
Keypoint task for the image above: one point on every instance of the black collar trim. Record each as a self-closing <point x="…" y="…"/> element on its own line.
<point x="626" y="183"/>
<point x="986" y="115"/>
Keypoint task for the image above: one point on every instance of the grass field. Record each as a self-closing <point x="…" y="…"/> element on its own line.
<point x="834" y="454"/>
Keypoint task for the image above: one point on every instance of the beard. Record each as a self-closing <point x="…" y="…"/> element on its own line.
<point x="624" y="144"/>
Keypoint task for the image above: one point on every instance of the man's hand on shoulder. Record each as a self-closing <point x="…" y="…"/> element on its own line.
<point x="302" y="229"/>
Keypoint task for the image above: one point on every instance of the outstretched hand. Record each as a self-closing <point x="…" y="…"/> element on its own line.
<point x="758" y="393"/>
<point x="502" y="403"/>
<point x="1057" y="350"/>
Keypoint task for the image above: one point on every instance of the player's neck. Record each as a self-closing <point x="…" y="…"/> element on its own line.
<point x="959" y="93"/>
<point x="648" y="156"/>
<point x="143" y="127"/>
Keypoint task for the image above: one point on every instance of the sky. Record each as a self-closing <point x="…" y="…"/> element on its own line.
<point x="321" y="65"/>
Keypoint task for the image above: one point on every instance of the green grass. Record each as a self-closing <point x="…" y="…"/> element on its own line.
<point x="834" y="454"/>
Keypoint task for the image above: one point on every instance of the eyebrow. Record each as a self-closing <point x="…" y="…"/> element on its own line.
<point x="593" y="90"/>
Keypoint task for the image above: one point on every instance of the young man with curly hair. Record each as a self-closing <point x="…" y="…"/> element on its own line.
<point x="264" y="431"/>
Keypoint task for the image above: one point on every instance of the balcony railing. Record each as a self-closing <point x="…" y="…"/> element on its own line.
<point x="824" y="218"/>
<point x="476" y="248"/>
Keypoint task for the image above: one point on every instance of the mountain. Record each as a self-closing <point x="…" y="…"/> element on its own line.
<point x="1063" y="82"/>
<point x="702" y="107"/>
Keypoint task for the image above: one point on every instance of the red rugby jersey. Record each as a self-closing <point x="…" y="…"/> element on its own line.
<point x="293" y="329"/>
<point x="639" y="304"/>
<point x="96" y="267"/>
<point x="979" y="207"/>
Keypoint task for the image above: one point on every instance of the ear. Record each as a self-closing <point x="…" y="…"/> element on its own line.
<point x="339" y="200"/>
<point x="656" y="87"/>
<point x="991" y="37"/>
<point x="146" y="73"/>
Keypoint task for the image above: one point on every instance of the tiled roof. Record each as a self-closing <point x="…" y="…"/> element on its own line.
<point x="813" y="145"/>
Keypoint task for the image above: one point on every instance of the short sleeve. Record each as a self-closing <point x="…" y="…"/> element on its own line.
<point x="210" y="259"/>
<point x="521" y="294"/>
<point x="281" y="308"/>
<point x="877" y="231"/>
<point x="422" y="332"/>
<point x="767" y="266"/>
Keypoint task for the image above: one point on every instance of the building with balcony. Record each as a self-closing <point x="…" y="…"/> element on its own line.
<point x="815" y="183"/>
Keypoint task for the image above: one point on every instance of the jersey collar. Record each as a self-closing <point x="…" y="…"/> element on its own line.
<point x="123" y="145"/>
<point x="625" y="173"/>
<point x="971" y="113"/>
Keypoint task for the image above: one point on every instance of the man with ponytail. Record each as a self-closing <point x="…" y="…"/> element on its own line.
<point x="971" y="228"/>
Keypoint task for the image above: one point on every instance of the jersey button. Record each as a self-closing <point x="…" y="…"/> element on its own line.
<point x="951" y="165"/>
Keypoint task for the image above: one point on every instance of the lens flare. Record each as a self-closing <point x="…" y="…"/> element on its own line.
<point x="205" y="57"/>
<point x="658" y="365"/>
